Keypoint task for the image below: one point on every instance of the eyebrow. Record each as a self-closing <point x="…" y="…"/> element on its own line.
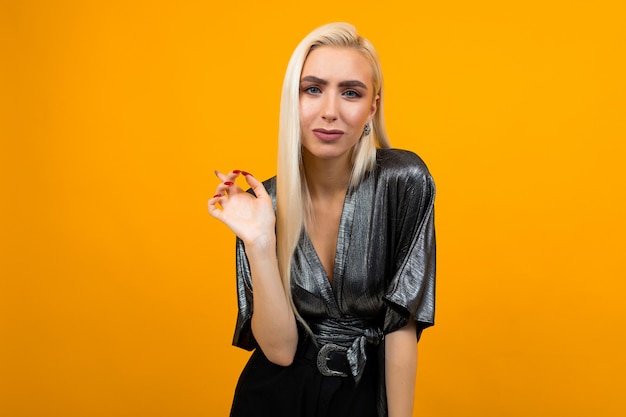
<point x="349" y="83"/>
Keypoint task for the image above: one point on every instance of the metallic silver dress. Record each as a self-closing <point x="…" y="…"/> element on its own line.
<point x="384" y="274"/>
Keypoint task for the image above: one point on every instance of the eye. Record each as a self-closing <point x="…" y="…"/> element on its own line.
<point x="312" y="90"/>
<point x="351" y="94"/>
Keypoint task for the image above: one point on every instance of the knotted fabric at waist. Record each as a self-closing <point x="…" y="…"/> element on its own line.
<point x="351" y="333"/>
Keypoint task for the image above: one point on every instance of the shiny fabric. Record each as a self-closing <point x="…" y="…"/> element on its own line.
<point x="351" y="333"/>
<point x="384" y="270"/>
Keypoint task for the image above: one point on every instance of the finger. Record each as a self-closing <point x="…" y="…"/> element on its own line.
<point x="231" y="176"/>
<point x="256" y="185"/>
<point x="213" y="209"/>
<point x="227" y="188"/>
<point x="221" y="176"/>
<point x="217" y="198"/>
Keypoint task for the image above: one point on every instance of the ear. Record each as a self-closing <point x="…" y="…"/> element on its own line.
<point x="373" y="108"/>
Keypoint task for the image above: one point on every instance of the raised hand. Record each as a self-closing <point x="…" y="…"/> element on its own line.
<point x="251" y="218"/>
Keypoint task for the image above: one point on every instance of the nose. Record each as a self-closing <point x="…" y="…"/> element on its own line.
<point x="329" y="108"/>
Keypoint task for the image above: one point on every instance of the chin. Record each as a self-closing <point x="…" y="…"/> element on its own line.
<point x="324" y="153"/>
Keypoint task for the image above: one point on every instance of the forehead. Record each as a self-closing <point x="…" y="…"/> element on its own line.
<point x="337" y="63"/>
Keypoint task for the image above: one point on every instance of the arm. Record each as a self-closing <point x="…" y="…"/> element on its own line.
<point x="400" y="370"/>
<point x="273" y="321"/>
<point x="252" y="219"/>
<point x="412" y="288"/>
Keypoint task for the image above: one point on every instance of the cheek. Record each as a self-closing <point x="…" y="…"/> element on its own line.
<point x="306" y="112"/>
<point x="357" y="116"/>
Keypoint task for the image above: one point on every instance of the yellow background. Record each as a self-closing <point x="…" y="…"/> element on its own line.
<point x="117" y="294"/>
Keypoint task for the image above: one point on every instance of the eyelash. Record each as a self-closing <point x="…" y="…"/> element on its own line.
<point x="347" y="93"/>
<point x="308" y="90"/>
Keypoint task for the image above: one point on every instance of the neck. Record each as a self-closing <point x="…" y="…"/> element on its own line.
<point x="327" y="177"/>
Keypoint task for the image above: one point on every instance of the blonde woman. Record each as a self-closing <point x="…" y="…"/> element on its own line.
<point x="336" y="254"/>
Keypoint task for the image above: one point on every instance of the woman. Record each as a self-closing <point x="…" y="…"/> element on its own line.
<point x="336" y="254"/>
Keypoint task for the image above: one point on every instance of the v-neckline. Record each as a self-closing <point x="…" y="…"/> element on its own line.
<point x="331" y="288"/>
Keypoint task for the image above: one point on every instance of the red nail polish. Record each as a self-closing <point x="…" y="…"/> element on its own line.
<point x="217" y="195"/>
<point x="228" y="183"/>
<point x="236" y="171"/>
<point x="245" y="173"/>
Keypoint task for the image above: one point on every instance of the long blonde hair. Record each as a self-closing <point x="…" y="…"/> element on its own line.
<point x="292" y="194"/>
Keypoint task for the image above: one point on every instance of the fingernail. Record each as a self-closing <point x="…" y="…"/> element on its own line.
<point x="236" y="171"/>
<point x="229" y="183"/>
<point x="217" y="195"/>
<point x="245" y="173"/>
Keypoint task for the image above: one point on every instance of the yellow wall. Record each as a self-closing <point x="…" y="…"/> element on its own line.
<point x="117" y="294"/>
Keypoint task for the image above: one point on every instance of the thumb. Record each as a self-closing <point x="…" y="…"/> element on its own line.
<point x="257" y="186"/>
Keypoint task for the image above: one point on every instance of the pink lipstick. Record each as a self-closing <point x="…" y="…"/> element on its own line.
<point x="328" y="135"/>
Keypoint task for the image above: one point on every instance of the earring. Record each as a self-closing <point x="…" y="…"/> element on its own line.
<point x="367" y="130"/>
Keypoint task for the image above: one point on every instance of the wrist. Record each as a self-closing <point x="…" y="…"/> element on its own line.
<point x="263" y="246"/>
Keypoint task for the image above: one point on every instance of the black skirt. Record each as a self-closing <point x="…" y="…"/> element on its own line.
<point x="300" y="390"/>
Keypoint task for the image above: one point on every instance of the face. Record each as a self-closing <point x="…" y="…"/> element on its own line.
<point x="336" y="101"/>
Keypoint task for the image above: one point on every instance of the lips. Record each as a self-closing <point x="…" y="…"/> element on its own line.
<point x="328" y="135"/>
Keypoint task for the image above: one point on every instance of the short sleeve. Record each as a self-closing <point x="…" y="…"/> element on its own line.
<point x="411" y="292"/>
<point x="243" y="337"/>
